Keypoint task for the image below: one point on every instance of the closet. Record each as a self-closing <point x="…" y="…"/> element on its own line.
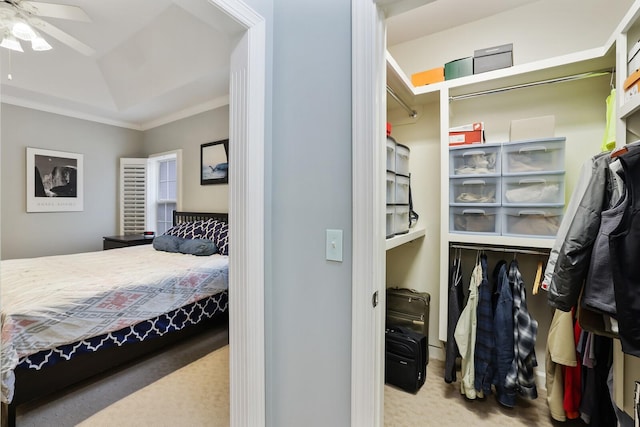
<point x="570" y="82"/>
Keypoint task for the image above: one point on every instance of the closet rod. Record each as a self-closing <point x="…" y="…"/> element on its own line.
<point x="537" y="83"/>
<point x="500" y="249"/>
<point x="411" y="111"/>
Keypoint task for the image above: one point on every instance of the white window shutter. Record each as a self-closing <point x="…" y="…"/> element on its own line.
<point x="133" y="188"/>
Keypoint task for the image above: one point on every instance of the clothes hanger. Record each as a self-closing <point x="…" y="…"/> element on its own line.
<point x="536" y="282"/>
<point x="613" y="71"/>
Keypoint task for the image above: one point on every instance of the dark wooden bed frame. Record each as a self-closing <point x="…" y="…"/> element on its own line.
<point x="31" y="384"/>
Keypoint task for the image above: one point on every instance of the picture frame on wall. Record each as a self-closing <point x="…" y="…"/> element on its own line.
<point x="54" y="181"/>
<point x="214" y="162"/>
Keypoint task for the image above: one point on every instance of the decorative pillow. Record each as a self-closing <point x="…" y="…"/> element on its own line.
<point x="187" y="230"/>
<point x="221" y="239"/>
<point x="167" y="243"/>
<point x="210" y="228"/>
<point x="199" y="247"/>
<point x="217" y="231"/>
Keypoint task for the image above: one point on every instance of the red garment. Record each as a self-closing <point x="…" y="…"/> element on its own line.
<point x="572" y="380"/>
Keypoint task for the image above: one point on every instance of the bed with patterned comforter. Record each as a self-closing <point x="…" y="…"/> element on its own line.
<point x="64" y="302"/>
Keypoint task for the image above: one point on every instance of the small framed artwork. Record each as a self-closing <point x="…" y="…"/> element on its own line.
<point x="214" y="162"/>
<point x="54" y="181"/>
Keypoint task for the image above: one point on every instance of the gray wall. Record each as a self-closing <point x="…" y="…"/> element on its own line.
<point x="308" y="310"/>
<point x="188" y="134"/>
<point x="51" y="233"/>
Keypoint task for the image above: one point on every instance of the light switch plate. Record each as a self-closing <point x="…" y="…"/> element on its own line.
<point x="334" y="245"/>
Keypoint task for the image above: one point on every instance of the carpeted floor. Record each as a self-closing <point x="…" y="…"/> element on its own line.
<point x="197" y="394"/>
<point x="440" y="404"/>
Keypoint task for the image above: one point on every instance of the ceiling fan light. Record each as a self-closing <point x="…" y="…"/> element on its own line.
<point x="23" y="31"/>
<point x="10" y="42"/>
<point x="39" y="44"/>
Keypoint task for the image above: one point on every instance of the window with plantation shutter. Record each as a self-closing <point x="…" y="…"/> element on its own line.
<point x="150" y="190"/>
<point x="133" y="195"/>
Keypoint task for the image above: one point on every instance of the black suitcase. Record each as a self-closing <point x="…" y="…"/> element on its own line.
<point x="405" y="358"/>
<point x="406" y="307"/>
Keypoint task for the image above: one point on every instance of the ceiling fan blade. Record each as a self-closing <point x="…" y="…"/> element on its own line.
<point x="52" y="10"/>
<point x="61" y="36"/>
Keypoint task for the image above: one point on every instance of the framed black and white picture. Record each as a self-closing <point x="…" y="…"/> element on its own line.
<point x="214" y="162"/>
<point x="54" y="181"/>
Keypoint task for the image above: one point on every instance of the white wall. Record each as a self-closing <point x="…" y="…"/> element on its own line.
<point x="538" y="30"/>
<point x="188" y="134"/>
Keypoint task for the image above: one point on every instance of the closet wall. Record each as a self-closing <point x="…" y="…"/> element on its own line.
<point x="580" y="116"/>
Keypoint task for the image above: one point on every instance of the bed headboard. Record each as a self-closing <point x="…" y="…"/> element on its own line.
<point x="180" y="217"/>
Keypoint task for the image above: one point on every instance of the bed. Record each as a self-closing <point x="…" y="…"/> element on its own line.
<point x="67" y="318"/>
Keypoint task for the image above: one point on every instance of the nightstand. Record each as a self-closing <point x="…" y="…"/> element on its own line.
<point x="112" y="242"/>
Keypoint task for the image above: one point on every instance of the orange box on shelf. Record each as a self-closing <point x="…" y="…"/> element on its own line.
<point x="427" y="77"/>
<point x="467" y="134"/>
<point x="632" y="85"/>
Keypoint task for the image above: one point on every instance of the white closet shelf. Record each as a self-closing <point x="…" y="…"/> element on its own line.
<point x="509" y="241"/>
<point x="630" y="107"/>
<point x="401" y="239"/>
<point x="596" y="59"/>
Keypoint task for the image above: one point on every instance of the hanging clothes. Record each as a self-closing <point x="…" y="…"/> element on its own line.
<point x="596" y="407"/>
<point x="561" y="352"/>
<point x="503" y="322"/>
<point x="574" y="255"/>
<point x="586" y="172"/>
<point x="485" y="341"/>
<point x="573" y="380"/>
<point x="609" y="140"/>
<point x="624" y="244"/>
<point x="465" y="335"/>
<point x="520" y="378"/>
<point x="456" y="300"/>
<point x="598" y="292"/>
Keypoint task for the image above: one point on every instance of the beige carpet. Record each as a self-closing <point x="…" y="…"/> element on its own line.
<point x="195" y="395"/>
<point x="441" y="404"/>
<point x="198" y="395"/>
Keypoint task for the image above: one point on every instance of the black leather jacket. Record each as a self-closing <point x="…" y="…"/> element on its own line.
<point x="574" y="256"/>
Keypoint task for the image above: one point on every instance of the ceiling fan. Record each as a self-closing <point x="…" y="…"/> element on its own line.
<point x="22" y="20"/>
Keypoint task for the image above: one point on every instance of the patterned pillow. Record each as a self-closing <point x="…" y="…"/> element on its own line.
<point x="187" y="230"/>
<point x="212" y="229"/>
<point x="221" y="239"/>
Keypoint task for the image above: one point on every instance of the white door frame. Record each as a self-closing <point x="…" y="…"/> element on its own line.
<point x="246" y="217"/>
<point x="369" y="198"/>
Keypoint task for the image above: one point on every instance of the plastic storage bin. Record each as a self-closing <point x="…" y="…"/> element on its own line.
<point x="540" y="155"/>
<point x="474" y="160"/>
<point x="471" y="191"/>
<point x="391" y="213"/>
<point x="545" y="189"/>
<point x="391" y="154"/>
<point x="480" y="219"/>
<point x="401" y="219"/>
<point x="402" y="159"/>
<point x="391" y="188"/>
<point x="531" y="221"/>
<point x="402" y="190"/>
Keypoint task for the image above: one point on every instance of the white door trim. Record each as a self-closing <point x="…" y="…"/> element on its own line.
<point x="369" y="198"/>
<point x="246" y="217"/>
